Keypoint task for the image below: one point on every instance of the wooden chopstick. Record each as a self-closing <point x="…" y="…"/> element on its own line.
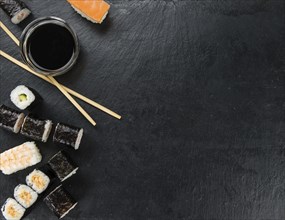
<point x="54" y="82"/>
<point x="9" y="33"/>
<point x="67" y="95"/>
<point x="72" y="92"/>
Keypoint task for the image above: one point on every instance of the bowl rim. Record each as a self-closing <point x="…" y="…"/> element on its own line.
<point x="27" y="32"/>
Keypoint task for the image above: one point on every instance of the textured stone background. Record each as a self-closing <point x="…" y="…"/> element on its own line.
<point x="200" y="86"/>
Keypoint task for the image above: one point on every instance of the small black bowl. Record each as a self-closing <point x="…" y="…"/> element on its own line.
<point x="42" y="25"/>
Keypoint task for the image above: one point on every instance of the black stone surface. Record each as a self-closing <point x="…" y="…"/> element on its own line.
<point x="200" y="86"/>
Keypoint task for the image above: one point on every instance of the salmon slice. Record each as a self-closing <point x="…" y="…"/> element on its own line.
<point x="92" y="10"/>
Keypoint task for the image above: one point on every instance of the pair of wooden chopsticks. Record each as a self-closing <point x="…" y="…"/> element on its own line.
<point x="66" y="91"/>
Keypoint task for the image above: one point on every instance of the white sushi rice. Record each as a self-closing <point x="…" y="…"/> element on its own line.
<point x="19" y="158"/>
<point x="48" y="127"/>
<point x="25" y="195"/>
<point x="38" y="181"/>
<point x="78" y="139"/>
<point x="15" y="97"/>
<point x="20" y="16"/>
<point x="19" y="123"/>
<point x="89" y="18"/>
<point x="12" y="210"/>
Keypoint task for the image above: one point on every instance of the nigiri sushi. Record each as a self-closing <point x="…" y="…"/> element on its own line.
<point x="93" y="10"/>
<point x="19" y="158"/>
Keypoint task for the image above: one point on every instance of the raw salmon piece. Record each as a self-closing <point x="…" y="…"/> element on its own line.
<point x="92" y="10"/>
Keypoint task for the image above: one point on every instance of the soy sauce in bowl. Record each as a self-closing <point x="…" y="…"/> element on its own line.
<point x="49" y="46"/>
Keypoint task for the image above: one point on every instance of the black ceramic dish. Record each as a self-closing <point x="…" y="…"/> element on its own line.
<point x="49" y="46"/>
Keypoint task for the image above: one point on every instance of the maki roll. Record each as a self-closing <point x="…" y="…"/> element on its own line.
<point x="68" y="135"/>
<point x="15" y="9"/>
<point x="38" y="181"/>
<point x="62" y="166"/>
<point x="25" y="195"/>
<point x="24" y="97"/>
<point x="19" y="158"/>
<point x="35" y="128"/>
<point x="10" y="119"/>
<point x="60" y="202"/>
<point x="12" y="210"/>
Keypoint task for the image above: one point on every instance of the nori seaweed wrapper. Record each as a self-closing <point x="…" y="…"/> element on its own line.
<point x="60" y="202"/>
<point x="67" y="135"/>
<point x="34" y="128"/>
<point x="9" y="118"/>
<point x="62" y="165"/>
<point x="12" y="7"/>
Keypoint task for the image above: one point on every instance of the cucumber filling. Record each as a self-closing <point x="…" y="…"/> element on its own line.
<point x="23" y="97"/>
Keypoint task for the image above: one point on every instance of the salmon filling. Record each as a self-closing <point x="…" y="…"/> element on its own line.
<point x="27" y="197"/>
<point x="11" y="211"/>
<point x="38" y="181"/>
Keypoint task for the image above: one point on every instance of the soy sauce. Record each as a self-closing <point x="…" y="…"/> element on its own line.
<point x="51" y="46"/>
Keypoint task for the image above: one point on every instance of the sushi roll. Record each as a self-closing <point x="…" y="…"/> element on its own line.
<point x="94" y="11"/>
<point x="24" y="97"/>
<point x="19" y="158"/>
<point x="68" y="135"/>
<point x="15" y="9"/>
<point x="12" y="210"/>
<point x="38" y="181"/>
<point x="25" y="195"/>
<point x="60" y="202"/>
<point x="62" y="166"/>
<point x="35" y="128"/>
<point x="10" y="119"/>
